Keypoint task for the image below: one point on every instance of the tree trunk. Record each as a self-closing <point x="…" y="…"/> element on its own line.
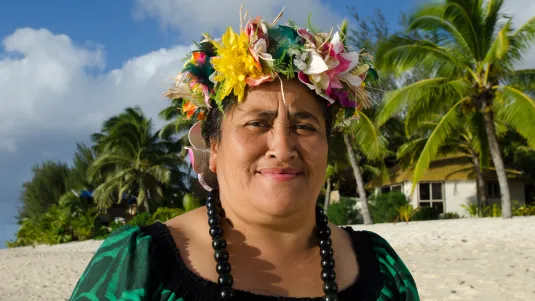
<point x="146" y="205"/>
<point x="497" y="160"/>
<point x="364" y="208"/>
<point x="481" y="195"/>
<point x="327" y="195"/>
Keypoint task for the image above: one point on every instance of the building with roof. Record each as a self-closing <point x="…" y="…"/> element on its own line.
<point x="450" y="182"/>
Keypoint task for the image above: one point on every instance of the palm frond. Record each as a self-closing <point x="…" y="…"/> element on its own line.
<point x="499" y="49"/>
<point x="368" y="137"/>
<point x="522" y="38"/>
<point x="437" y="17"/>
<point x="425" y="91"/>
<point x="521" y="79"/>
<point x="444" y="129"/>
<point x="518" y="110"/>
<point x="177" y="126"/>
<point x="491" y="17"/>
<point x="401" y="53"/>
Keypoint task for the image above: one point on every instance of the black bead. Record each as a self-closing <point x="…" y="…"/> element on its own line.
<point x="225" y="279"/>
<point x="324" y="232"/>
<point x="322" y="220"/>
<point x="223" y="267"/>
<point x="319" y="210"/>
<point x="327" y="263"/>
<point x="227" y="293"/>
<point x="213" y="212"/>
<point x="332" y="297"/>
<point x="323" y="243"/>
<point x="214" y="221"/>
<point x="326" y="253"/>
<point x="221" y="255"/>
<point x="330" y="287"/>
<point x="219" y="243"/>
<point x="210" y="205"/>
<point x="216" y="231"/>
<point x="328" y="274"/>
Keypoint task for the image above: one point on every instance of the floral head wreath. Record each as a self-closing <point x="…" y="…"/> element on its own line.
<point x="264" y="52"/>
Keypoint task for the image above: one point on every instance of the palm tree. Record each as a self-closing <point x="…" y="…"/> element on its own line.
<point x="472" y="56"/>
<point x="469" y="139"/>
<point x="133" y="160"/>
<point x="364" y="140"/>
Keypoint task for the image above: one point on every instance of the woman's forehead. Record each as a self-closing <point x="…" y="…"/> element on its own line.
<point x="269" y="97"/>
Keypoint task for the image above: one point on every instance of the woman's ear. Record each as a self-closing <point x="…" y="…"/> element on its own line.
<point x="212" y="162"/>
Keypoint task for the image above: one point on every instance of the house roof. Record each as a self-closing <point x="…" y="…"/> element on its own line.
<point x="456" y="168"/>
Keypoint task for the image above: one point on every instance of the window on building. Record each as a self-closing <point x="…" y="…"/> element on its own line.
<point x="387" y="189"/>
<point x="396" y="188"/>
<point x="493" y="189"/>
<point x="431" y="195"/>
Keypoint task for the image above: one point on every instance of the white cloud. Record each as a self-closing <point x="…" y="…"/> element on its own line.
<point x="194" y="18"/>
<point x="521" y="11"/>
<point x="50" y="84"/>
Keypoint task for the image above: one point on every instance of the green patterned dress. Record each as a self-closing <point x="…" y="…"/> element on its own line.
<point x="143" y="263"/>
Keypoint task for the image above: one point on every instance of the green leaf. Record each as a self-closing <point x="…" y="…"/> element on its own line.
<point x="368" y="137"/>
<point x="518" y="110"/>
<point x="444" y="129"/>
<point x="373" y="74"/>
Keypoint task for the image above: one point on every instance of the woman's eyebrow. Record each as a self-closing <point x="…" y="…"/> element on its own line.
<point x="304" y="115"/>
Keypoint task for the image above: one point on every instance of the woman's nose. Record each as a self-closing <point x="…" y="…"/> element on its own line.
<point x="282" y="145"/>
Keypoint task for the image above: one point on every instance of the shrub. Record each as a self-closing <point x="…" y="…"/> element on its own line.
<point x="384" y="206"/>
<point x="164" y="214"/>
<point x="343" y="212"/>
<point x="142" y="219"/>
<point x="450" y="215"/>
<point x="405" y="213"/>
<point x="425" y="214"/>
<point x="190" y="202"/>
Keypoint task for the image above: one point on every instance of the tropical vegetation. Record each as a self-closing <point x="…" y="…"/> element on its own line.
<point x="449" y="83"/>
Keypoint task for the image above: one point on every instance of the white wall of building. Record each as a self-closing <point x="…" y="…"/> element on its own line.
<point x="457" y="193"/>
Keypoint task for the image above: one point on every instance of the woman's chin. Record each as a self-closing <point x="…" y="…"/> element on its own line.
<point x="281" y="203"/>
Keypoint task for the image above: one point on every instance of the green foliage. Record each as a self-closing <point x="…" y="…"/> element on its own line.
<point x="44" y="189"/>
<point x="471" y="209"/>
<point x="142" y="219"/>
<point x="384" y="206"/>
<point x="190" y="202"/>
<point x="133" y="160"/>
<point x="450" y="215"/>
<point x="524" y="210"/>
<point x="405" y="213"/>
<point x="343" y="212"/>
<point x="164" y="214"/>
<point x="425" y="214"/>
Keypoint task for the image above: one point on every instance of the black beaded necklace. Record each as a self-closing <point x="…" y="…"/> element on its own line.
<point x="221" y="255"/>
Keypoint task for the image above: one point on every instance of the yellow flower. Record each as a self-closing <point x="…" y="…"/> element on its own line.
<point x="234" y="64"/>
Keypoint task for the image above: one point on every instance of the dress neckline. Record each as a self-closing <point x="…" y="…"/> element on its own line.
<point x="186" y="283"/>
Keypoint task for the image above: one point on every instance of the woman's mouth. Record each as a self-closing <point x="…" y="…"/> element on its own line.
<point x="280" y="174"/>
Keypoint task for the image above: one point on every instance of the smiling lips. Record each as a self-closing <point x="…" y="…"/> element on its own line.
<point x="280" y="174"/>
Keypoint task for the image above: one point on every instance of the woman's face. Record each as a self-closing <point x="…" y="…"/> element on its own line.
<point x="272" y="156"/>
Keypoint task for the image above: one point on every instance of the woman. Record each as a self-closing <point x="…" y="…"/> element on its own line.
<point x="261" y="150"/>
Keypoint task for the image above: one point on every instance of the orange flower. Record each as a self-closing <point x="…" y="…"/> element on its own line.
<point x="188" y="108"/>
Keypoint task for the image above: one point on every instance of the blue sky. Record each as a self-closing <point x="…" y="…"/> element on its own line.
<point x="65" y="66"/>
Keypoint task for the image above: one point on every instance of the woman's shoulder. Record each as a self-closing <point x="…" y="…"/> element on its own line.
<point x="128" y="264"/>
<point x="397" y="281"/>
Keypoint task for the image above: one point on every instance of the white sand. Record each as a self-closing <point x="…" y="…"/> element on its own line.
<point x="466" y="259"/>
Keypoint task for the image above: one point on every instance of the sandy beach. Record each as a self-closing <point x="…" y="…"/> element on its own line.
<point x="465" y="259"/>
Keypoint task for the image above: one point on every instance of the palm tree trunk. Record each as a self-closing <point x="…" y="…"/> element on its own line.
<point x="481" y="195"/>
<point x="497" y="159"/>
<point x="327" y="195"/>
<point x="364" y="208"/>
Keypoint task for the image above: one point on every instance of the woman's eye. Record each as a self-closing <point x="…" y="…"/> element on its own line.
<point x="258" y="124"/>
<point x="305" y="127"/>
